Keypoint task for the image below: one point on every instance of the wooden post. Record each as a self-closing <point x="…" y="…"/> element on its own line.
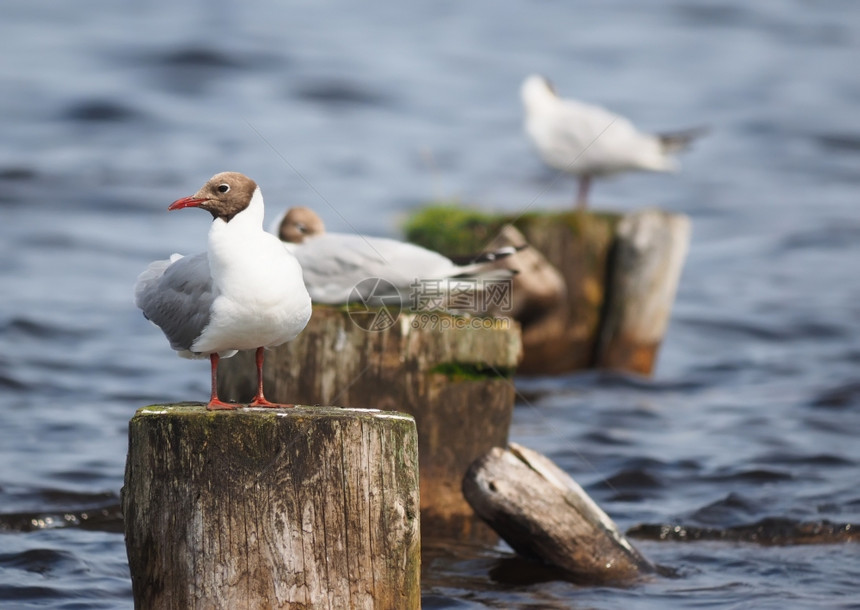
<point x="575" y="243"/>
<point x="272" y="508"/>
<point x="645" y="268"/>
<point x="620" y="274"/>
<point x="544" y="515"/>
<point x="452" y="374"/>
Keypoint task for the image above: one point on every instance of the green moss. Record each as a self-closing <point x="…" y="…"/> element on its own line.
<point x="453" y="230"/>
<point x="458" y="232"/>
<point x="471" y="371"/>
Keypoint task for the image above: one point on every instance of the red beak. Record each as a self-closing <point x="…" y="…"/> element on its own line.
<point x="186" y="202"/>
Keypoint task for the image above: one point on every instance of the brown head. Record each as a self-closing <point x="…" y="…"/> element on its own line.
<point x="224" y="195"/>
<point x="300" y="223"/>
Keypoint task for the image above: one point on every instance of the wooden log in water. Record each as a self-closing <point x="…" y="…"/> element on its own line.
<point x="452" y="374"/>
<point x="592" y="329"/>
<point x="644" y="271"/>
<point x="272" y="508"/>
<point x="545" y="515"/>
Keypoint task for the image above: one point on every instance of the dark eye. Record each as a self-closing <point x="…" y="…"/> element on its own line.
<point x="223" y="188"/>
<point x="301" y="228"/>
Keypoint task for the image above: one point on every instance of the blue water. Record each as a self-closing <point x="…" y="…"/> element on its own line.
<point x="110" y="111"/>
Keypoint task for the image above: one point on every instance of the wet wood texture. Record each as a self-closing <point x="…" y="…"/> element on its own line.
<point x="453" y="375"/>
<point x="545" y="515"/>
<point x="272" y="508"/>
<point x="644" y="271"/>
<point x="620" y="274"/>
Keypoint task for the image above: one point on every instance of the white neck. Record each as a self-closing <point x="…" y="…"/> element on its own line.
<point x="231" y="241"/>
<point x="535" y="93"/>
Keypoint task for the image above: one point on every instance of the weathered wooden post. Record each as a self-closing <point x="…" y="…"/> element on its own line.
<point x="272" y="508"/>
<point x="544" y="515"/>
<point x="619" y="291"/>
<point x="645" y="268"/>
<point x="575" y="243"/>
<point x="453" y="374"/>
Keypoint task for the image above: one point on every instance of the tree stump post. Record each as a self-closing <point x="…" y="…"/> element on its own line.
<point x="545" y="515"/>
<point x="645" y="268"/>
<point x="452" y="374"/>
<point x="272" y="508"/>
<point x="575" y="243"/>
<point x="620" y="276"/>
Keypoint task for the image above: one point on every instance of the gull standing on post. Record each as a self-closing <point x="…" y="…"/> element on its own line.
<point x="245" y="292"/>
<point x="588" y="141"/>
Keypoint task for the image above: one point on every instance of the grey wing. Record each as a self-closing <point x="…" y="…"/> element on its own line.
<point x="332" y="265"/>
<point x="359" y="257"/>
<point x="177" y="296"/>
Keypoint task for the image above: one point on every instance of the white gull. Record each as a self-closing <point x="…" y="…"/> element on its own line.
<point x="244" y="292"/>
<point x="587" y="141"/>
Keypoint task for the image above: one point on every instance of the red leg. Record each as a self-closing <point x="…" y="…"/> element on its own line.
<point x="582" y="196"/>
<point x="260" y="400"/>
<point x="215" y="403"/>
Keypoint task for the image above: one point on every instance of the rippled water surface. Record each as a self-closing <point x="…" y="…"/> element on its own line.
<point x="112" y="110"/>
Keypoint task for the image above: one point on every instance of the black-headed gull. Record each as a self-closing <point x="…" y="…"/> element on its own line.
<point x="587" y="141"/>
<point x="244" y="292"/>
<point x="335" y="265"/>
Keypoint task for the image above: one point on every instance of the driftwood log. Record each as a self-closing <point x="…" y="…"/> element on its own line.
<point x="545" y="515"/>
<point x="606" y="311"/>
<point x="453" y="375"/>
<point x="645" y="266"/>
<point x="272" y="508"/>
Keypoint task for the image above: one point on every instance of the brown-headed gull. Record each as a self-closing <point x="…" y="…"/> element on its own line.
<point x="335" y="265"/>
<point x="587" y="141"/>
<point x="244" y="292"/>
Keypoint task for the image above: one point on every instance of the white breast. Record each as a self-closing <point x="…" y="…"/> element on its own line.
<point x="261" y="298"/>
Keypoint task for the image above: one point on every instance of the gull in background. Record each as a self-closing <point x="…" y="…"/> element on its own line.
<point x="589" y="141"/>
<point x="336" y="265"/>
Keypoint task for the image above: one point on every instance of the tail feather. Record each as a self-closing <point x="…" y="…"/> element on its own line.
<point x="486" y="264"/>
<point x="495" y="255"/>
<point x="485" y="271"/>
<point x="675" y="141"/>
